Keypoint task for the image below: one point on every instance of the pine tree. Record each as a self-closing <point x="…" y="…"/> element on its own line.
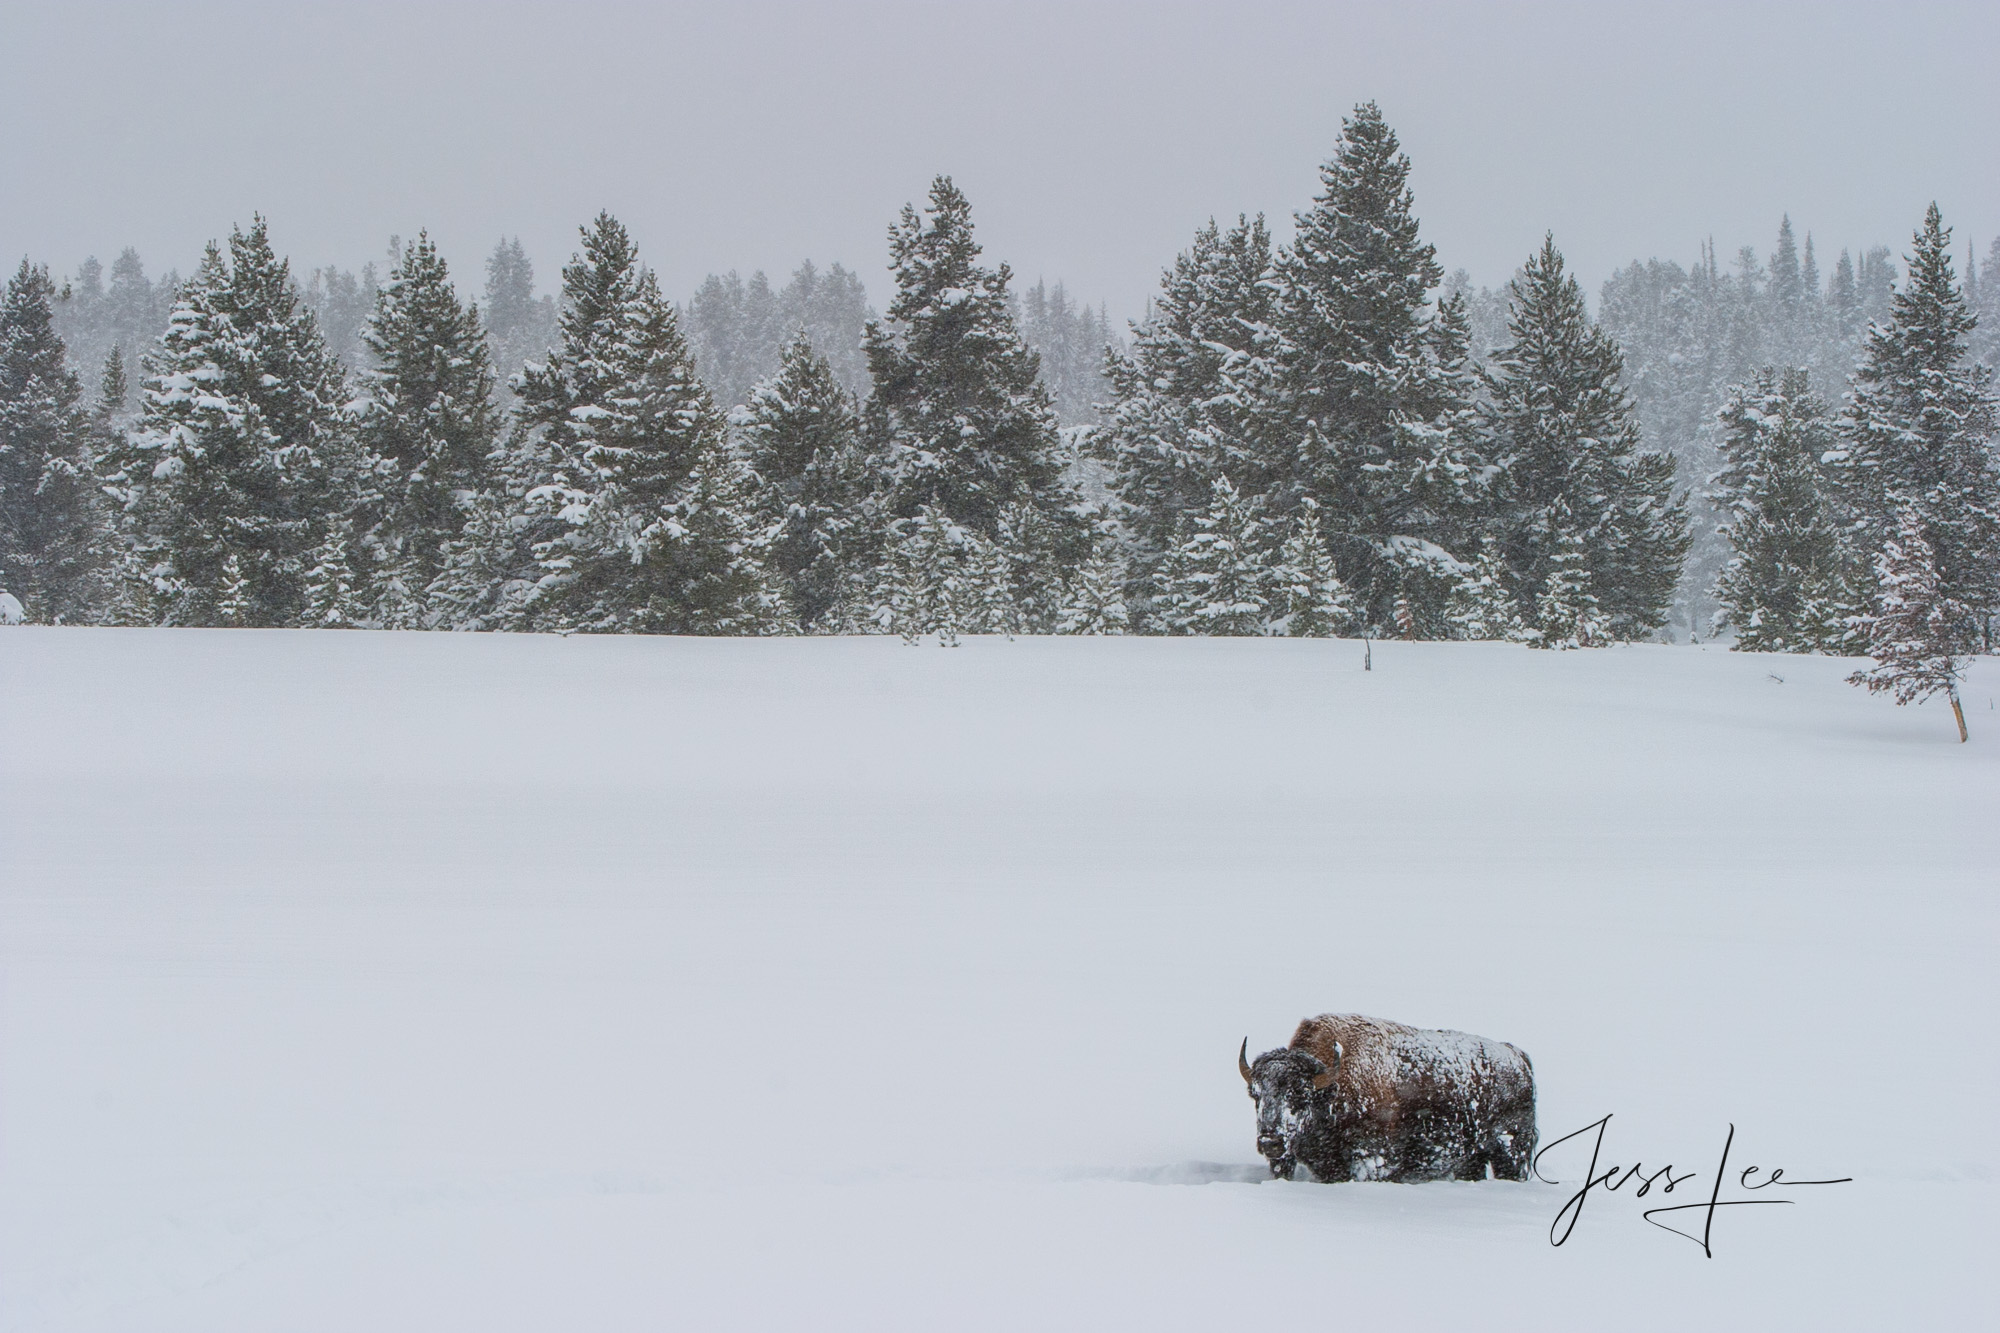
<point x="713" y="558"/>
<point x="1183" y="394"/>
<point x="1787" y="282"/>
<point x="1560" y="427"/>
<point x="49" y="514"/>
<point x="136" y="309"/>
<point x="1918" y="433"/>
<point x="1482" y="605"/>
<point x="939" y="577"/>
<point x="739" y="329"/>
<point x="1217" y="580"/>
<point x="1843" y="297"/>
<point x="1985" y="306"/>
<point x="736" y="332"/>
<point x="831" y="309"/>
<point x="240" y="449"/>
<point x="1071" y="341"/>
<point x="341" y="303"/>
<point x="801" y="435"/>
<point x="234" y="600"/>
<point x="1567" y="613"/>
<point x="1917" y="633"/>
<point x="93" y="315"/>
<point x="1311" y="599"/>
<point x="1691" y="337"/>
<point x="113" y="394"/>
<point x="959" y="420"/>
<point x="428" y="423"/>
<point x="1094" y="599"/>
<point x="488" y="575"/>
<point x="330" y="598"/>
<point x="631" y="472"/>
<point x="1790" y="587"/>
<point x="1372" y="417"/>
<point x="520" y="326"/>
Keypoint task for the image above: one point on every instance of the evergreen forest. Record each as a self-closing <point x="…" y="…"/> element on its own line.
<point x="1323" y="436"/>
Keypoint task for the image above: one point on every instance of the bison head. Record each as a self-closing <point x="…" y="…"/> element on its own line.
<point x="1288" y="1086"/>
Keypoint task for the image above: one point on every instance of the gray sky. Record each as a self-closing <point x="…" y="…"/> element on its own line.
<point x="1091" y="138"/>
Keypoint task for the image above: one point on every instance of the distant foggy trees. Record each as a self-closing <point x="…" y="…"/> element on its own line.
<point x="1316" y="437"/>
<point x="739" y="329"/>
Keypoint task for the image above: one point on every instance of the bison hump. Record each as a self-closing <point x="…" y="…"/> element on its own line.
<point x="1379" y="1059"/>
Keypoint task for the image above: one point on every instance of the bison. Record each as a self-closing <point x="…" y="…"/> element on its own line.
<point x="1358" y="1098"/>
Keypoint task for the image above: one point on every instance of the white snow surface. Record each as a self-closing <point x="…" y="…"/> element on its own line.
<point x="485" y="982"/>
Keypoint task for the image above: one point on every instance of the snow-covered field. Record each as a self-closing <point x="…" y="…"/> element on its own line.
<point x="472" y="982"/>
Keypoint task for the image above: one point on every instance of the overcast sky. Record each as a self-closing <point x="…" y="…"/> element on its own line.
<point x="1091" y="138"/>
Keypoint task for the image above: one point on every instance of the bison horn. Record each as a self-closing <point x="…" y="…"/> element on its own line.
<point x="1243" y="1064"/>
<point x="1323" y="1079"/>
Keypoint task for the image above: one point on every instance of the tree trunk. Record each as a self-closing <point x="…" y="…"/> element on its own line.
<point x="1958" y="712"/>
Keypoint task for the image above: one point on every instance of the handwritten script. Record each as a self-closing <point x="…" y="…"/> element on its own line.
<point x="1613" y="1179"/>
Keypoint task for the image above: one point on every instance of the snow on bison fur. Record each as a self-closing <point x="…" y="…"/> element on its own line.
<point x="1357" y="1098"/>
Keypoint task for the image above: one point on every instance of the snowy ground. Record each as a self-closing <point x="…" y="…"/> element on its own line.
<point x="476" y="982"/>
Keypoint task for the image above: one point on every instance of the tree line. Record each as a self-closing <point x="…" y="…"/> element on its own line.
<point x="1321" y="437"/>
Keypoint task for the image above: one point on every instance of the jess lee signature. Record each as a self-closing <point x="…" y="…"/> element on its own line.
<point x="1614" y="1178"/>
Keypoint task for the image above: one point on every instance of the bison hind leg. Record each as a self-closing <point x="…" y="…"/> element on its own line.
<point x="1512" y="1152"/>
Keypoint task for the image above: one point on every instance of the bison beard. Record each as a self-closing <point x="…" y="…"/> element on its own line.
<point x="1357" y="1098"/>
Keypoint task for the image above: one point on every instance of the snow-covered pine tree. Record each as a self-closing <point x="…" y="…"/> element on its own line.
<point x="1311" y="599"/>
<point x="426" y="420"/>
<point x="1182" y="395"/>
<point x="998" y="566"/>
<point x="113" y="394"/>
<point x="1791" y="585"/>
<point x="1218" y="578"/>
<point x="1568" y="613"/>
<point x="1372" y="417"/>
<point x="235" y="606"/>
<point x="800" y="433"/>
<point x="712" y="555"/>
<point x="1560" y="427"/>
<point x="1482" y="604"/>
<point x="1093" y="600"/>
<point x="1918" y="432"/>
<point x="627" y="518"/>
<point x="959" y="419"/>
<point x="50" y="518"/>
<point x="332" y="600"/>
<point x="241" y="458"/>
<point x="937" y="577"/>
<point x="488" y="575"/>
<point x="1917" y="630"/>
